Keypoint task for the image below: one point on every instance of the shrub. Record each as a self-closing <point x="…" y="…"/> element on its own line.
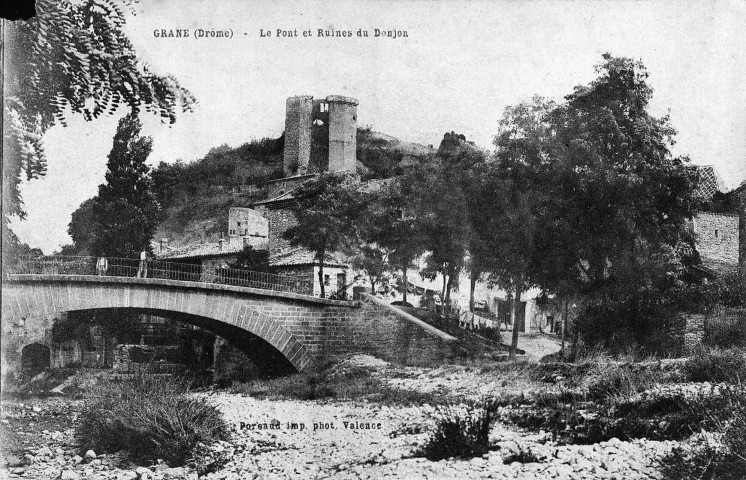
<point x="461" y="435"/>
<point x="638" y="322"/>
<point x="714" y="458"/>
<point x="150" y="417"/>
<point x="521" y="456"/>
<point x="716" y="365"/>
<point x="615" y="382"/>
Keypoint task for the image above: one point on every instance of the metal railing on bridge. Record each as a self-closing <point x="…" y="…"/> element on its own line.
<point x="132" y="267"/>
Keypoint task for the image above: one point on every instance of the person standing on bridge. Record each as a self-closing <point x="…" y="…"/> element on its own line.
<point x="102" y="265"/>
<point x="142" y="271"/>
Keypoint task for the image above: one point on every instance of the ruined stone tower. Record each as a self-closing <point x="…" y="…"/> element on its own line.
<point x="320" y="135"/>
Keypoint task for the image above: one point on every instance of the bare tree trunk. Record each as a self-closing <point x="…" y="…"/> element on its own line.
<point x="564" y="323"/>
<point x="321" y="276"/>
<point x="406" y="283"/>
<point x="472" y="287"/>
<point x="447" y="302"/>
<point x="514" y="317"/>
<point x="742" y="233"/>
<point x="443" y="291"/>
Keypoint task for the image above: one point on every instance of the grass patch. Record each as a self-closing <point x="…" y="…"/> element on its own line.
<point x="150" y="417"/>
<point x="460" y="434"/>
<point x="716" y="365"/>
<point x="614" y="382"/>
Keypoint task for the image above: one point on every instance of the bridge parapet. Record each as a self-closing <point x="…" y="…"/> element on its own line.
<point x="158" y="269"/>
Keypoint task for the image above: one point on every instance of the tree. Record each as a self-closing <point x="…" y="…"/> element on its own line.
<point x="513" y="193"/>
<point x="82" y="229"/>
<point x="607" y="202"/>
<point x="507" y="233"/>
<point x="614" y="180"/>
<point x="441" y="207"/>
<point x="125" y="210"/>
<point x="254" y="260"/>
<point x="326" y="209"/>
<point x="372" y="260"/>
<point x="394" y="226"/>
<point x="72" y="55"/>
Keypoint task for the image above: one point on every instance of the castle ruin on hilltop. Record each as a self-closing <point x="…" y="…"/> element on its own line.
<point x="320" y="135"/>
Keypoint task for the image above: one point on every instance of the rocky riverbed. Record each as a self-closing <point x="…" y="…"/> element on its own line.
<point x="360" y="439"/>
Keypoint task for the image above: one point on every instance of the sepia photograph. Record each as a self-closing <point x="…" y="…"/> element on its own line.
<point x="347" y="239"/>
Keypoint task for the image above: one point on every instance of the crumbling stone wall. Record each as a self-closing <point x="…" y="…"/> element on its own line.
<point x="247" y="223"/>
<point x="333" y="121"/>
<point x="280" y="219"/>
<point x="297" y="135"/>
<point x="129" y="358"/>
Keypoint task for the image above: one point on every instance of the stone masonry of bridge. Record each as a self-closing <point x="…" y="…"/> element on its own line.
<point x="305" y="329"/>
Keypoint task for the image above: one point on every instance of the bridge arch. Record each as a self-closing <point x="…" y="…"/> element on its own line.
<point x="35" y="358"/>
<point x="29" y="307"/>
<point x="303" y="329"/>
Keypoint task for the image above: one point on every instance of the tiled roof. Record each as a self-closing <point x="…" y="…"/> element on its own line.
<point x="709" y="182"/>
<point x="279" y="198"/>
<point x="202" y="250"/>
<point x="302" y="256"/>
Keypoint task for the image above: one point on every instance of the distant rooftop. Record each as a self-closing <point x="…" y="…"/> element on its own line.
<point x="300" y="256"/>
<point x="201" y="250"/>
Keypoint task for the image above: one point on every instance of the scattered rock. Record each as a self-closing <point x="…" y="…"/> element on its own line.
<point x="176" y="473"/>
<point x="143" y="473"/>
<point x="90" y="455"/>
<point x="127" y="475"/>
<point x="69" y="475"/>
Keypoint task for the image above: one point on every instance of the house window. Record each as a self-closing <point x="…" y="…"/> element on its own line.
<point x="341" y="281"/>
<point x="326" y="280"/>
<point x="232" y="232"/>
<point x="717" y="233"/>
<point x="239" y="224"/>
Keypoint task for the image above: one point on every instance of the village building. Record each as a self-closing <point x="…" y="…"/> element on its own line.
<point x="719" y="235"/>
<point x="245" y="228"/>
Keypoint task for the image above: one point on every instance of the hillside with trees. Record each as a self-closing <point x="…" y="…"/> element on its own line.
<point x="195" y="196"/>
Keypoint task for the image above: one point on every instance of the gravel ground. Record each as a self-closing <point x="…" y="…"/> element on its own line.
<point x="289" y="439"/>
<point x="387" y="452"/>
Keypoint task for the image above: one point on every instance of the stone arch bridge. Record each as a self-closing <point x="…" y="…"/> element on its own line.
<point x="303" y="329"/>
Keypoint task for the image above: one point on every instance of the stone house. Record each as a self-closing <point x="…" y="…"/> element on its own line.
<point x="720" y="237"/>
<point x="246" y="227"/>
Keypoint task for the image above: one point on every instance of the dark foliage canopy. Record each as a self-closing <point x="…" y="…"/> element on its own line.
<point x="125" y="210"/>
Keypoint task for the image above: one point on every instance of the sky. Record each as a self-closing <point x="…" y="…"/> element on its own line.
<point x="460" y="65"/>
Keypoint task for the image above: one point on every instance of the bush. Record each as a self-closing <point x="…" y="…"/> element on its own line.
<point x="716" y="365"/>
<point x="461" y="435"/>
<point x="614" y="382"/>
<point x="638" y="322"/>
<point x="714" y="458"/>
<point x="150" y="417"/>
